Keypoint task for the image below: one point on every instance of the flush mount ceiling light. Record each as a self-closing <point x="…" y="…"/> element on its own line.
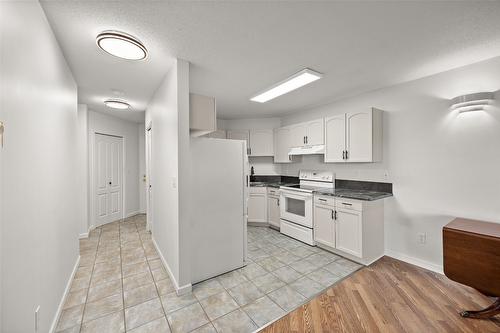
<point x="295" y="81"/>
<point x="122" y="45"/>
<point x="117" y="104"/>
<point x="472" y="102"/>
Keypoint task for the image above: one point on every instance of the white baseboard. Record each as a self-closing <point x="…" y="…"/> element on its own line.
<point x="86" y="234"/>
<point x="133" y="214"/>
<point x="182" y="290"/>
<point x="415" y="261"/>
<point x="63" y="299"/>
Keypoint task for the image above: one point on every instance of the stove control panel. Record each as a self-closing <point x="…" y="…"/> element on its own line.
<point x="319" y="176"/>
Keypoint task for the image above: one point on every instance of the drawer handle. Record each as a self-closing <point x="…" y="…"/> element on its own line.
<point x="347" y="204"/>
<point x="322" y="200"/>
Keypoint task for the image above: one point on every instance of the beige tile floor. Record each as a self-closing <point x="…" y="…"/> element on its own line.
<point x="122" y="286"/>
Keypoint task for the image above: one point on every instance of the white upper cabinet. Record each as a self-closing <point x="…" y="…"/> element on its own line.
<point x="240" y="135"/>
<point x="261" y="142"/>
<point x="307" y="134"/>
<point x="354" y="137"/>
<point x="282" y="145"/>
<point x="359" y="143"/>
<point x="202" y="115"/>
<point x="335" y="138"/>
<point x="298" y="135"/>
<point x="315" y="132"/>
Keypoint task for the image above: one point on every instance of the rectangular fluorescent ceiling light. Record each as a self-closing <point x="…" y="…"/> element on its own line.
<point x="295" y="81"/>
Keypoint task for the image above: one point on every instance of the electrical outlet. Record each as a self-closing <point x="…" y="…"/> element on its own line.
<point x="37" y="318"/>
<point x="422" y="237"/>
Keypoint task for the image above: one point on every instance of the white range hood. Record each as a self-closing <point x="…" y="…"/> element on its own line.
<point x="307" y="150"/>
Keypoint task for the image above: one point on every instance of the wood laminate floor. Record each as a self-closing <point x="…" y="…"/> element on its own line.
<point x="390" y="296"/>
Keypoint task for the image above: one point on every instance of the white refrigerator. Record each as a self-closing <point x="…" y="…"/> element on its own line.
<point x="219" y="206"/>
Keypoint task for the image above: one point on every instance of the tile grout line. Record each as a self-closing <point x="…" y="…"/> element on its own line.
<point x="90" y="280"/>
<point x="121" y="273"/>
<point x="154" y="281"/>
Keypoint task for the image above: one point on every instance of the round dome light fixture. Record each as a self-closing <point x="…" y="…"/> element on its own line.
<point x="121" y="45"/>
<point x="117" y="104"/>
<point x="472" y="102"/>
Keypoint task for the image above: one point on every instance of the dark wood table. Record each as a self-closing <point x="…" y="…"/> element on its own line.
<point x="471" y="251"/>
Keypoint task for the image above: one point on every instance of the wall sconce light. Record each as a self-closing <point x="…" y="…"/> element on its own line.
<point x="472" y="102"/>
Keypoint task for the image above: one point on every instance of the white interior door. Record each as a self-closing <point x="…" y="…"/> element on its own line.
<point x="149" y="195"/>
<point x="108" y="166"/>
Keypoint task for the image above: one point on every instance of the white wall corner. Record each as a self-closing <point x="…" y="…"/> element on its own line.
<point x="180" y="290"/>
<point x="415" y="261"/>
<point x="65" y="295"/>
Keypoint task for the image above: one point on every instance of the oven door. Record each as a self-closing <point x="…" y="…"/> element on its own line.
<point x="296" y="207"/>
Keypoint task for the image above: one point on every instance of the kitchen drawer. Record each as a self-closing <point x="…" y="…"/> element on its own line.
<point x="349" y="204"/>
<point x="298" y="232"/>
<point x="324" y="200"/>
<point x="273" y="191"/>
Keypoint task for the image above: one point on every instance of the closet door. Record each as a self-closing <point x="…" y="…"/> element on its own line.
<point x="108" y="166"/>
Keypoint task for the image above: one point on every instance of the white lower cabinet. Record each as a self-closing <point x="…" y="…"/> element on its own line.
<point x="324" y="225"/>
<point x="351" y="228"/>
<point x="348" y="231"/>
<point x="273" y="207"/>
<point x="257" y="205"/>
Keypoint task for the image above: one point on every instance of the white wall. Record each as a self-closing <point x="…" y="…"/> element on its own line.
<point x="442" y="164"/>
<point x="83" y="167"/>
<point x="168" y="113"/>
<point x="41" y="211"/>
<point x="142" y="167"/>
<point x="104" y="124"/>
<point x="261" y="165"/>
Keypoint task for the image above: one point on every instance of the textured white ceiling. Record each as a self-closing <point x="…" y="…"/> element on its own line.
<point x="237" y="49"/>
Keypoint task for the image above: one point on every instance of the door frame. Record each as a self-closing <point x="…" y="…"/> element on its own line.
<point x="92" y="184"/>
<point x="149" y="204"/>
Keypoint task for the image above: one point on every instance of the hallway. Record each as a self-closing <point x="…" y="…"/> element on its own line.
<point x="118" y="283"/>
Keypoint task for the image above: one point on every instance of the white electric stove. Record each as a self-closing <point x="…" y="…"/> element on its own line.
<point x="296" y="208"/>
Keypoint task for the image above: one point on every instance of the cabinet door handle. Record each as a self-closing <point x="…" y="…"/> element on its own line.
<point x="333" y="215"/>
<point x="307" y="139"/>
<point x="346" y="154"/>
<point x="304" y="139"/>
<point x="343" y="154"/>
<point x="278" y="202"/>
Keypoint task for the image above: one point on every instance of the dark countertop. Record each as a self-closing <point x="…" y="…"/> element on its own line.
<point x="354" y="194"/>
<point x="270" y="184"/>
<point x="351" y="189"/>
